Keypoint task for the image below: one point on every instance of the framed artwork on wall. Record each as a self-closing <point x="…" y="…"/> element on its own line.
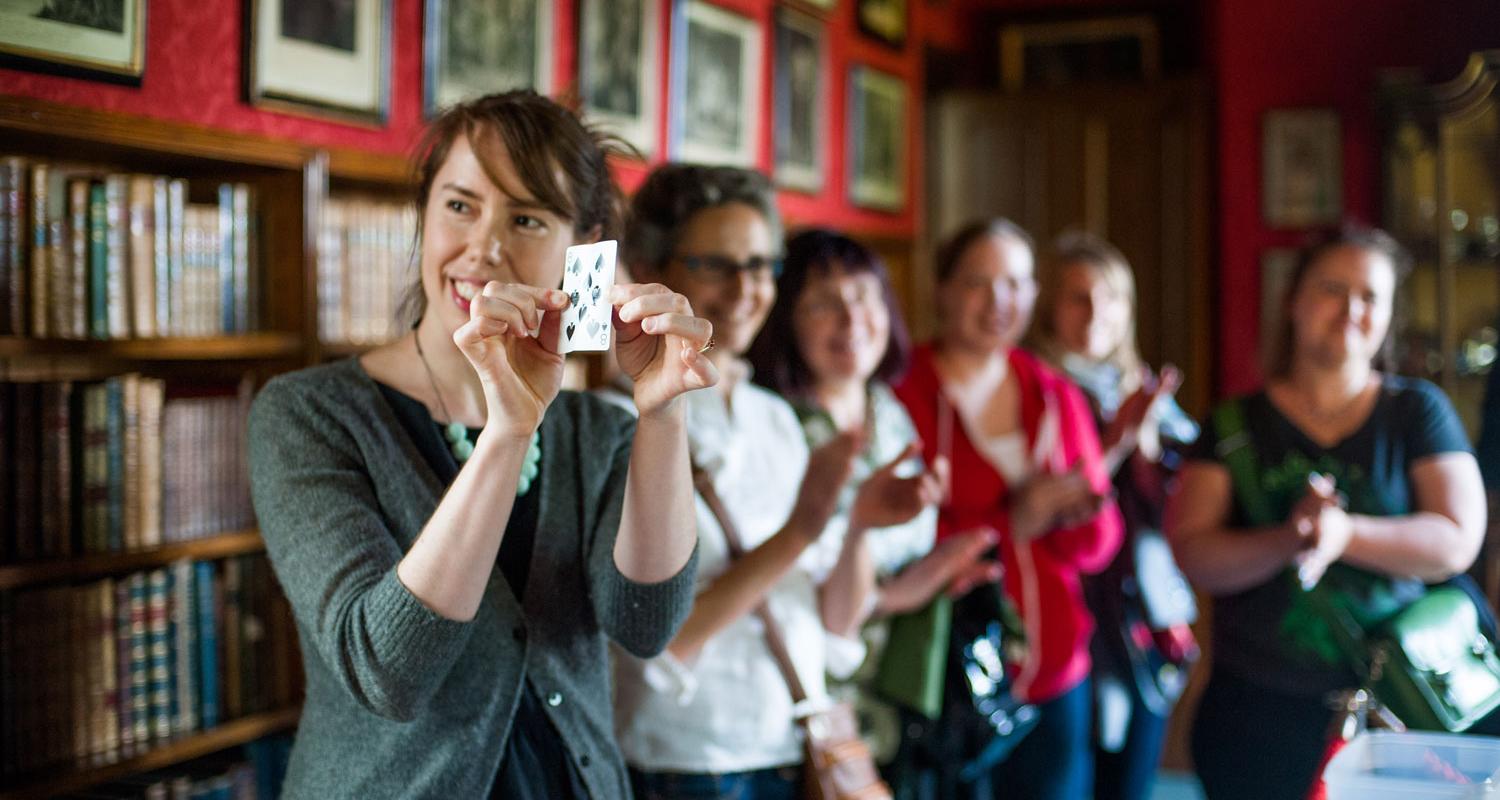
<point x="716" y="67"/>
<point x="885" y="20"/>
<point x="320" y="56"/>
<point x="800" y="99"/>
<point x="1051" y="54"/>
<point x="618" y="65"/>
<point x="472" y="48"/>
<point x="105" y="41"/>
<point x="877" y="139"/>
<point x="1301" y="168"/>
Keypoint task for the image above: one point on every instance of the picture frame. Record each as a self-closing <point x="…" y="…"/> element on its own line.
<point x="884" y="20"/>
<point x="716" y="74"/>
<point x="877" y="129"/>
<point x="1301" y="167"/>
<point x="1276" y="266"/>
<point x="320" y="57"/>
<point x="800" y="60"/>
<point x="619" y="68"/>
<point x="1051" y="54"/>
<point x="95" y="43"/>
<point x="472" y="48"/>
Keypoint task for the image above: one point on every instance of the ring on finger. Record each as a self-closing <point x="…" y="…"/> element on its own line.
<point x="707" y="346"/>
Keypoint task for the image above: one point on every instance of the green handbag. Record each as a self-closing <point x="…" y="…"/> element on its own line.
<point x="1428" y="663"/>
<point x="913" y="666"/>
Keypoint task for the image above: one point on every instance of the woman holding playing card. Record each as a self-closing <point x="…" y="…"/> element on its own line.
<point x="457" y="537"/>
<point x="713" y="715"/>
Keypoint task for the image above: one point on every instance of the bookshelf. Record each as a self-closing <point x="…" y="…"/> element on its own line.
<point x="291" y="184"/>
<point x="223" y="737"/>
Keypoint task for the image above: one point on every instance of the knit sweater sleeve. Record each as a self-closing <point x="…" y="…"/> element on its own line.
<point x="640" y="617"/>
<point x="336" y="559"/>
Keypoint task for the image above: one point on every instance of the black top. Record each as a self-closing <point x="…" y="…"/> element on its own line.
<point x="535" y="764"/>
<point x="1271" y="634"/>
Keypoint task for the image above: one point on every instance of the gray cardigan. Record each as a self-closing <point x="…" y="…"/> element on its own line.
<point x="402" y="702"/>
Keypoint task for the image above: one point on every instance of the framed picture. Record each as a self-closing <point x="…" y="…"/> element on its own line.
<point x="95" y="40"/>
<point x="1051" y="54"/>
<point x="800" y="97"/>
<point x="885" y="20"/>
<point x="1301" y="168"/>
<point x="478" y="47"/>
<point x="716" y="64"/>
<point x="1276" y="265"/>
<point x="618" y="67"/>
<point x="329" y="56"/>
<point x="877" y="139"/>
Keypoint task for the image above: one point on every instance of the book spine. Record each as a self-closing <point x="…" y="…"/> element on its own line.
<point x="117" y="236"/>
<point x="37" y="313"/>
<point x="8" y="460"/>
<point x="27" y="470"/>
<point x="131" y="462"/>
<point x="115" y="455"/>
<point x="177" y="206"/>
<point x="184" y="627"/>
<point x="108" y="727"/>
<point x="95" y="448"/>
<point x="98" y="262"/>
<point x="140" y="664"/>
<point x="159" y="635"/>
<point x="81" y="713"/>
<point x="152" y="394"/>
<point x="12" y="229"/>
<point x="124" y="701"/>
<point x="141" y="266"/>
<point x="233" y="695"/>
<point x="208" y="646"/>
<point x="56" y="474"/>
<point x="78" y="247"/>
<point x="228" y="302"/>
<point x="246" y="254"/>
<point x="161" y="253"/>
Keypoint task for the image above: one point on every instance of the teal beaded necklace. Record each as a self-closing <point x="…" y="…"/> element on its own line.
<point x="457" y="434"/>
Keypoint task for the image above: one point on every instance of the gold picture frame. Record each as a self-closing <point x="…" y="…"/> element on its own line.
<point x="1074" y="46"/>
<point x="105" y="45"/>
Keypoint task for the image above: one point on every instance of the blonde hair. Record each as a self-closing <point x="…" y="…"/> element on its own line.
<point x="1104" y="261"/>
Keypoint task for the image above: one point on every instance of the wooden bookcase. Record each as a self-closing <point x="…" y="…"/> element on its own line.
<point x="291" y="182"/>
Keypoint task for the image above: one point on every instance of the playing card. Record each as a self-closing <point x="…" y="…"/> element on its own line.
<point x="588" y="275"/>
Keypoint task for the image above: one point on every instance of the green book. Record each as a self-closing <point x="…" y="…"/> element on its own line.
<point x="98" y="262"/>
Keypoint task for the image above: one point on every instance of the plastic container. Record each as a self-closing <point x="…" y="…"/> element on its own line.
<point x="1377" y="765"/>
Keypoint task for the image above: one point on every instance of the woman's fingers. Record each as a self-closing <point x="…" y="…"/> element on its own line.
<point x="519" y="306"/>
<point x="637" y="301"/>
<point x="701" y="372"/>
<point x="695" y="330"/>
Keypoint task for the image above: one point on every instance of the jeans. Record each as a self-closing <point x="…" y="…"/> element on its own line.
<point x="778" y="783"/>
<point x="1056" y="760"/>
<point x="1130" y="773"/>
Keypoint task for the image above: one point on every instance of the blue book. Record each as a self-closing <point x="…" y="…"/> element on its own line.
<point x="115" y="389"/>
<point x="208" y="647"/>
<point x="159" y="653"/>
<point x="228" y="323"/>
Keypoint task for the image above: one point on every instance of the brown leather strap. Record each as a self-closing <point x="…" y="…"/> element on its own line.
<point x="705" y="485"/>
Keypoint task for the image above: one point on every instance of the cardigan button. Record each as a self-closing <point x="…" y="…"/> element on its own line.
<point x="583" y="760"/>
<point x="554" y="699"/>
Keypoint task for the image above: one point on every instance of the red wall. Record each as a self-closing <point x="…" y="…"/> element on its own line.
<point x="1286" y="53"/>
<point x="193" y="63"/>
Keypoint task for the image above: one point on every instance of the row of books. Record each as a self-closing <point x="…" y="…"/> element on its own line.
<point x="366" y="260"/>
<point x="90" y="254"/>
<point x="254" y="772"/>
<point x="101" y="671"/>
<point x="118" y="465"/>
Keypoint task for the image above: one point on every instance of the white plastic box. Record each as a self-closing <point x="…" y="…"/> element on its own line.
<point x="1380" y="765"/>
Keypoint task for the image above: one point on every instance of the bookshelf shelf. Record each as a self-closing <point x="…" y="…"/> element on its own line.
<point x="230" y="734"/>
<point x="241" y="347"/>
<point x="15" y="576"/>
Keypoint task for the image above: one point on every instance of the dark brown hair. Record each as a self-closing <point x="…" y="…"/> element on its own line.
<point x="952" y="250"/>
<point x="673" y="193"/>
<point x="1375" y="240"/>
<point x="774" y="353"/>
<point x="560" y="160"/>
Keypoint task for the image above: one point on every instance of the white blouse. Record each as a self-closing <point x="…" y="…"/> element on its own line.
<point x="728" y="709"/>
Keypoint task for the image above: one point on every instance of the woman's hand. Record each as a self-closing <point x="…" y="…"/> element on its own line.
<point x="1321" y="521"/>
<point x="511" y="340"/>
<point x="1048" y="502"/>
<point x="1137" y="424"/>
<point x="658" y="343"/>
<point x="885" y="499"/>
<point x="828" y="469"/>
<point x="957" y="564"/>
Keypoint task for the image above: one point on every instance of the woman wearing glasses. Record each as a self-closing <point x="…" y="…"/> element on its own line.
<point x="713" y="715"/>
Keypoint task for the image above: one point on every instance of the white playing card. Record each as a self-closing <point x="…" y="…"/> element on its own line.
<point x="588" y="276"/>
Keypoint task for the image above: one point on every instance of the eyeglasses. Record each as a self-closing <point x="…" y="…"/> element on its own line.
<point x="719" y="269"/>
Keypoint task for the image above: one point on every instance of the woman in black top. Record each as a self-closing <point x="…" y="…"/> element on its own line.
<point x="1394" y="501"/>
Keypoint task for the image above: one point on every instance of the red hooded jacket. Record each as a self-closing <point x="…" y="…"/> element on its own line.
<point x="1041" y="577"/>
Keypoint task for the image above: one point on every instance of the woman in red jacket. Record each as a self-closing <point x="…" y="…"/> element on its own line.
<point x="1025" y="462"/>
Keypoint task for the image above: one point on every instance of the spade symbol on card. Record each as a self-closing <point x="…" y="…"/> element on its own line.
<point x="574" y="298"/>
<point x="573" y="265"/>
<point x="571" y="327"/>
<point x="596" y="294"/>
<point x="593" y="328"/>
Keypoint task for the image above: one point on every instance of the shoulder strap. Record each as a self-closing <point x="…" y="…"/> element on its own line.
<point x="1237" y="450"/>
<point x="704" y="483"/>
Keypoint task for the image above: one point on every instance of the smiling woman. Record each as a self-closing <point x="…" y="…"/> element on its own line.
<point x="445" y="649"/>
